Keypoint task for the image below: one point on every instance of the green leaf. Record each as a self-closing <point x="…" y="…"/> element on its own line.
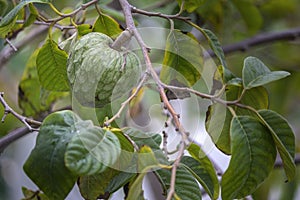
<point x="45" y="165"/>
<point x="146" y="162"/>
<point x="32" y="99"/>
<point x="284" y="139"/>
<point x="256" y="73"/>
<point x="250" y="14"/>
<point x="51" y="65"/>
<point x="84" y="29"/>
<point x="112" y="179"/>
<point x="218" y="117"/>
<point x="146" y="158"/>
<point x="253" y="157"/>
<point x="150" y="139"/>
<point x="119" y="181"/>
<point x="186" y="187"/>
<point x="8" y="21"/>
<point x="217" y="48"/>
<point x="91" y="150"/>
<point x="32" y="17"/>
<point x="191" y="5"/>
<point x="94" y="186"/>
<point x="107" y="25"/>
<point x="5" y="29"/>
<point x="3" y="6"/>
<point x="180" y="66"/>
<point x="33" y="195"/>
<point x="203" y="170"/>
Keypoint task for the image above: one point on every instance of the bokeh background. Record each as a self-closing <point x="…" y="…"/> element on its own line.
<point x="231" y="24"/>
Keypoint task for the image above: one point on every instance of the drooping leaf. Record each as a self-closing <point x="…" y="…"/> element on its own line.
<point x="107" y="25"/>
<point x="253" y="157"/>
<point x="32" y="99"/>
<point x="284" y="139"/>
<point x="191" y="5"/>
<point x="218" y="117"/>
<point x="8" y="21"/>
<point x="91" y="150"/>
<point x="183" y="61"/>
<point x="186" y="187"/>
<point x="203" y="170"/>
<point x="216" y="47"/>
<point x="249" y="13"/>
<point x="146" y="162"/>
<point x="51" y="65"/>
<point x="45" y="165"/>
<point x="256" y="73"/>
<point x="32" y="16"/>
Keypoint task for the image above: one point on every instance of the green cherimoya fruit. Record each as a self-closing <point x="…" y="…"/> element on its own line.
<point x="99" y="74"/>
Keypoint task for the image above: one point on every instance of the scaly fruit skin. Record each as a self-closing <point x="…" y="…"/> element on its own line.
<point x="99" y="74"/>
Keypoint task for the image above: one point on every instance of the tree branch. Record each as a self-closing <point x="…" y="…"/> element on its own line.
<point x="12" y="136"/>
<point x="7" y="51"/>
<point x="263" y="38"/>
<point x="8" y="110"/>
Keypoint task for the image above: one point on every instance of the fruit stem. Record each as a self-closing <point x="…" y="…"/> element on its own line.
<point x="121" y="40"/>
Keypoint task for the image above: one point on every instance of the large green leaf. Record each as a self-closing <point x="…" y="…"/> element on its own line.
<point x="203" y="170"/>
<point x="284" y="139"/>
<point x="107" y="25"/>
<point x="253" y="157"/>
<point x="33" y="100"/>
<point x="112" y="179"/>
<point x="249" y="13"/>
<point x="51" y="65"/>
<point x="91" y="150"/>
<point x="45" y="165"/>
<point x="8" y="21"/>
<point x="183" y="61"/>
<point x="256" y="73"/>
<point x="186" y="187"/>
<point x="218" y="117"/>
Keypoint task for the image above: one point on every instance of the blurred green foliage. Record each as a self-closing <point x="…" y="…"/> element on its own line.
<point x="232" y="21"/>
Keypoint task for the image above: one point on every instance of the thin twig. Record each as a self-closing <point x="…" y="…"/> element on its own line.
<point x="71" y="14"/>
<point x="11" y="45"/>
<point x="42" y="23"/>
<point x="158" y="14"/>
<point x="8" y="110"/>
<point x="127" y="101"/>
